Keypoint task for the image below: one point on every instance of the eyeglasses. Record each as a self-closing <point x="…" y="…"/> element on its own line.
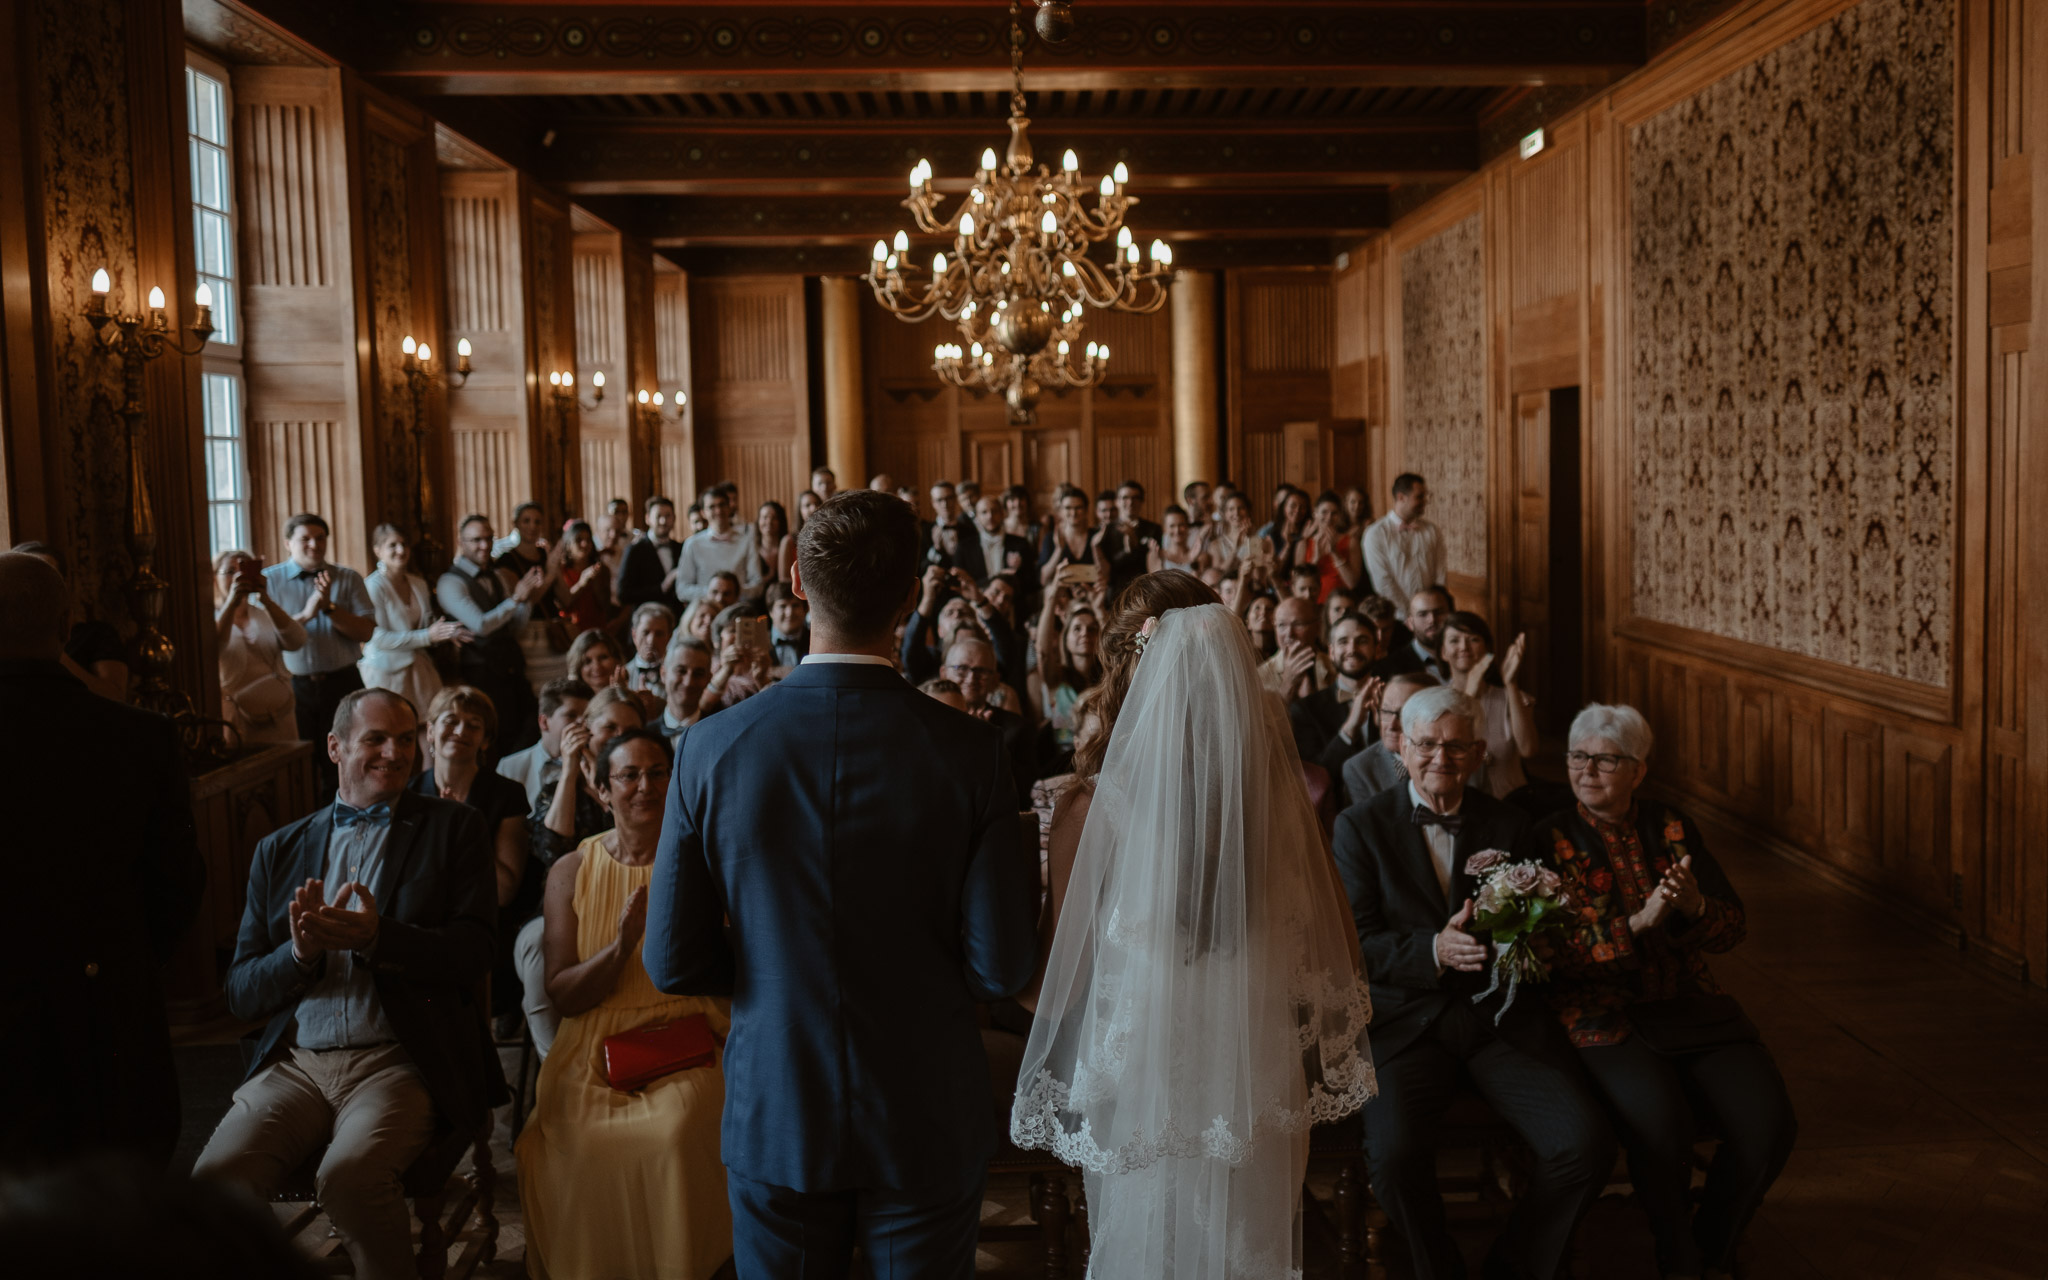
<point x="630" y="778"/>
<point x="1602" y="763"/>
<point x="1453" y="749"/>
<point x="961" y="673"/>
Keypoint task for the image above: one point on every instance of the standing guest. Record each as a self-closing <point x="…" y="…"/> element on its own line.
<point x="883" y="483"/>
<point x="720" y="594"/>
<point x="1357" y="512"/>
<point x="647" y="568"/>
<point x="1236" y="544"/>
<point x="105" y="891"/>
<point x="582" y="582"/>
<point x="777" y="543"/>
<point x="616" y="534"/>
<point x="806" y="503"/>
<point x="460" y="726"/>
<point x="1304" y="582"/>
<point x="685" y="674"/>
<point x="1297" y="667"/>
<point x="824" y="483"/>
<point x="1195" y="500"/>
<point x="561" y="705"/>
<point x="653" y="626"/>
<point x="495" y="662"/>
<point x="1379" y="766"/>
<point x="1126" y="541"/>
<point x="1105" y="509"/>
<point x="1631" y="985"/>
<point x="721" y="548"/>
<point x="946" y="514"/>
<point x="616" y="1183"/>
<point x="1178" y="547"/>
<point x="849" y="1121"/>
<point x="1068" y="666"/>
<point x="599" y="661"/>
<point x="1336" y="721"/>
<point x="1289" y="526"/>
<point x="1428" y="610"/>
<point x="253" y="634"/>
<point x="696" y="520"/>
<point x="332" y="604"/>
<point x="1402" y="857"/>
<point x="969" y="492"/>
<point x="993" y="550"/>
<point x="400" y="654"/>
<point x="527" y="551"/>
<point x="526" y="547"/>
<point x="1069" y="540"/>
<point x="1331" y="549"/>
<point x="789" y="626"/>
<point x="929" y="631"/>
<point x="376" y="1049"/>
<point x="93" y="652"/>
<point x="971" y="664"/>
<point x="1507" y="719"/>
<point x="1018" y="520"/>
<point x="1404" y="553"/>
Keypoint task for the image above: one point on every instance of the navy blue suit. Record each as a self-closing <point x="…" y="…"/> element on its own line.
<point x="861" y="840"/>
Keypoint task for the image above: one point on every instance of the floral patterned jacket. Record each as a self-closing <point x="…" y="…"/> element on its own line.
<point x="1599" y="967"/>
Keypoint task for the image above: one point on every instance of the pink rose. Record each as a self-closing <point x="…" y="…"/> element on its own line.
<point x="1523" y="878"/>
<point x="1484" y="861"/>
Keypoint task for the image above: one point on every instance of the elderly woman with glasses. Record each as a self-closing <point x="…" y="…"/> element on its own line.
<point x="1674" y="1056"/>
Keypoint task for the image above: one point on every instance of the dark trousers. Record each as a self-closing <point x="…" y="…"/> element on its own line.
<point x="780" y="1234"/>
<point x="318" y="696"/>
<point x="1658" y="1102"/>
<point x="1542" y="1095"/>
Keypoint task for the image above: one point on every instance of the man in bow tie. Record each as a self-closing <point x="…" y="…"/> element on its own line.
<point x="1402" y="857"/>
<point x="365" y="943"/>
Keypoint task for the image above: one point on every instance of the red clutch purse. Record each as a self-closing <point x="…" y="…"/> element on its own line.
<point x="637" y="1058"/>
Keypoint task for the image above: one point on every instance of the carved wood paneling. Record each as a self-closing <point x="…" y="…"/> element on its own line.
<point x="1852" y="795"/>
<point x="1282" y="340"/>
<point x="551" y="338"/>
<point x="476" y="232"/>
<point x="753" y="395"/>
<point x="1919" y="787"/>
<point x="604" y="471"/>
<point x="600" y="307"/>
<point x="491" y="415"/>
<point x="298" y="466"/>
<point x="286" y="221"/>
<point x="672" y="370"/>
<point x="490" y="474"/>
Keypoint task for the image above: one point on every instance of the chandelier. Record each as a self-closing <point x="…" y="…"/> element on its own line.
<point x="1019" y="279"/>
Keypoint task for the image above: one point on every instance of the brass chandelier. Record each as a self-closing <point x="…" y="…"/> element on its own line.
<point x="1019" y="279"/>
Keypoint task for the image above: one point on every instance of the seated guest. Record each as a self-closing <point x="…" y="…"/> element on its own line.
<point x="971" y="664"/>
<point x="332" y="604"/>
<point x="368" y="974"/>
<point x="945" y="691"/>
<point x="253" y="634"/>
<point x="722" y="547"/>
<point x="400" y="656"/>
<point x="685" y="674"/>
<point x="596" y="659"/>
<point x="1507" y="718"/>
<point x="1428" y="610"/>
<point x="473" y="594"/>
<point x="1336" y="721"/>
<point x="583" y="583"/>
<point x="789" y="625"/>
<point x="1069" y="664"/>
<point x="1330" y="548"/>
<point x="93" y="652"/>
<point x="105" y="867"/>
<point x="571" y="812"/>
<point x="1379" y="766"/>
<point x="739" y="671"/>
<point x="1297" y="667"/>
<point x="647" y="566"/>
<point x="561" y="705"/>
<point x="616" y="1183"/>
<point x="1629" y="980"/>
<point x="776" y="543"/>
<point x="654" y="625"/>
<point x="995" y="615"/>
<point x="1385" y="617"/>
<point x="460" y="726"/>
<point x="1402" y="857"/>
<point x="1258" y="619"/>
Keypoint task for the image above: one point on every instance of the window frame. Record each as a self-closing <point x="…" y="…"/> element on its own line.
<point x="222" y="359"/>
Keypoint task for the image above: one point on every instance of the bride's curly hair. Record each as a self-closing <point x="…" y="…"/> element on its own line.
<point x="1148" y="597"/>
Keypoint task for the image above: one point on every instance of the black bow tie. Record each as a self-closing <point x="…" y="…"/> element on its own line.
<point x="1428" y="817"/>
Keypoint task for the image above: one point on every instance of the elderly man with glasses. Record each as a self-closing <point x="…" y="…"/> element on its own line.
<point x="1402" y="856"/>
<point x="971" y="663"/>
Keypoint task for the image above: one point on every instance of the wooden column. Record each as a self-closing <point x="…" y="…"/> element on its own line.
<point x="550" y="322"/>
<point x="845" y="401"/>
<point x="1194" y="378"/>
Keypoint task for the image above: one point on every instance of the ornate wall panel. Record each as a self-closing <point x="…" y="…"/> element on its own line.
<point x="474" y="232"/>
<point x="598" y="271"/>
<point x="1791" y="293"/>
<point x="490" y="415"/>
<point x="286" y="238"/>
<point x="753" y="394"/>
<point x="387" y="261"/>
<point x="1443" y="384"/>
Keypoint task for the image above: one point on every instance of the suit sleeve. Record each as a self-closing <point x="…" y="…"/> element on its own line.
<point x="999" y="897"/>
<point x="173" y="873"/>
<point x="459" y="949"/>
<point x="685" y="949"/>
<point x="1395" y="957"/>
<point x="264" y="977"/>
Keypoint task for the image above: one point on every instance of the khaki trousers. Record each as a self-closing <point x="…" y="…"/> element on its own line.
<point x="371" y="1110"/>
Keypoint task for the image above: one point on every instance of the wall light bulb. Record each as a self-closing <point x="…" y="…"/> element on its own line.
<point x="407" y="345"/>
<point x="657" y="399"/>
<point x="203" y="295"/>
<point x="156" y="298"/>
<point x="901" y="243"/>
<point x="100" y="281"/>
<point x="643" y="395"/>
<point x="1070" y="161"/>
<point x="596" y="379"/>
<point x="426" y="353"/>
<point x="462" y="347"/>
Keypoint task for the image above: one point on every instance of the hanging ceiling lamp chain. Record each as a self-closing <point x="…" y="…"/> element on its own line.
<point x="1021" y="241"/>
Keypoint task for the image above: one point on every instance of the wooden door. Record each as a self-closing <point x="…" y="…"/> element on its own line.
<point x="995" y="458"/>
<point x="1548" y="576"/>
<point x="1051" y="459"/>
<point x="1301" y="445"/>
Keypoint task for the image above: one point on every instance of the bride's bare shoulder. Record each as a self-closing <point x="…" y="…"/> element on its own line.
<point x="1070" y="806"/>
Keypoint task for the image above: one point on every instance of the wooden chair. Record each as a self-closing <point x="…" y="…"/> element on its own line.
<point x="442" y="1200"/>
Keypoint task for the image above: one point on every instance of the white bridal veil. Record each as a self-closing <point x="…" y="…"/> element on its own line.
<point x="1203" y="1005"/>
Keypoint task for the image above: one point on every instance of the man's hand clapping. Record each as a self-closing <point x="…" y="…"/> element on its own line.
<point x="530" y="586"/>
<point x="318" y="926"/>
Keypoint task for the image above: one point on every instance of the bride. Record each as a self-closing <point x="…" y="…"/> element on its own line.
<point x="1201" y="1006"/>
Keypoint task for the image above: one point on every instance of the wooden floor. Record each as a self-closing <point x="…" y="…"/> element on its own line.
<point x="1921" y="1084"/>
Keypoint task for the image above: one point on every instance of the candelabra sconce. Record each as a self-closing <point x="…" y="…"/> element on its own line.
<point x="135" y="340"/>
<point x="654" y="411"/>
<point x="420" y="376"/>
<point x="562" y="389"/>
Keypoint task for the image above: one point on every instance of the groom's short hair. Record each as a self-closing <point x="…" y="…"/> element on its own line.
<point x="857" y="559"/>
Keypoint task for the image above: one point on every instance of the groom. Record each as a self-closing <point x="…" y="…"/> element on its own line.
<point x="842" y="855"/>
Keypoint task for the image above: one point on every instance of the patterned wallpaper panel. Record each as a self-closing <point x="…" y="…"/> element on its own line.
<point x="1443" y="384"/>
<point x="1790" y="281"/>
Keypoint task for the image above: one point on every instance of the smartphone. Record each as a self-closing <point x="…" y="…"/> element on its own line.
<point x="752" y="633"/>
<point x="1076" y="575"/>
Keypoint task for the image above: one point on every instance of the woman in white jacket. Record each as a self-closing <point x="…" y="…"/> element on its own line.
<point x="253" y="632"/>
<point x="397" y="657"/>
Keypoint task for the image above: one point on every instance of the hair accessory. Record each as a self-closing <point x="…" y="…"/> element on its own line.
<point x="1144" y="634"/>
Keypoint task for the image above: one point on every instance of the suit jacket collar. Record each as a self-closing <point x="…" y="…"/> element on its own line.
<point x="844" y="675"/>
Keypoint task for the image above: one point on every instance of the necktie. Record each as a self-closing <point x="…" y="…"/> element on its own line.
<point x="347" y="815"/>
<point x="1428" y="817"/>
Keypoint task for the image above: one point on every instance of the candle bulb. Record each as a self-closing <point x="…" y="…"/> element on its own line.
<point x="597" y="380"/>
<point x="1070" y="162"/>
<point x="554" y="378"/>
<point x="1108" y="187"/>
<point x="462" y="356"/>
<point x="657" y="399"/>
<point x="100" y="282"/>
<point x="643" y="395"/>
<point x="1121" y="174"/>
<point x="966" y="228"/>
<point x="202" y="322"/>
<point x="407" y="345"/>
<point x="938" y="264"/>
<point x="881" y="250"/>
<point x="901" y="243"/>
<point x="988" y="159"/>
<point x="426" y="353"/>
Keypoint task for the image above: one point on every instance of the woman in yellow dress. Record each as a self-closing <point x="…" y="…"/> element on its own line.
<point x="619" y="1186"/>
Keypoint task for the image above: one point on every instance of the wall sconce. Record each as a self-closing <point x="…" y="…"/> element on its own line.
<point x="135" y="340"/>
<point x="653" y="413"/>
<point x="418" y="366"/>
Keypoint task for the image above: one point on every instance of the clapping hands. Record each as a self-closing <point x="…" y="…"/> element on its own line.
<point x="633" y="921"/>
<point x="317" y="925"/>
<point x="1679" y="890"/>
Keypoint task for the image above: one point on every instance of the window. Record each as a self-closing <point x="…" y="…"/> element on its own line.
<point x="224" y="427"/>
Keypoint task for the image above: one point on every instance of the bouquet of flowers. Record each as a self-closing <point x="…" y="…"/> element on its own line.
<point x="1516" y="901"/>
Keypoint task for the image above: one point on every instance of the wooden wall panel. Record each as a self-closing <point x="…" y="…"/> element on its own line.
<point x="598" y="268"/>
<point x="550" y="319"/>
<point x="490" y="415"/>
<point x="1282" y="340"/>
<point x="678" y="472"/>
<point x="753" y="390"/>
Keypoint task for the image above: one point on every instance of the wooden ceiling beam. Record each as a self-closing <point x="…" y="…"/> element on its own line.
<point x="848" y="260"/>
<point x="571" y="48"/>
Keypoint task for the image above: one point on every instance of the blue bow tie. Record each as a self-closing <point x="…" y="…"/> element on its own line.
<point x="347" y="815"/>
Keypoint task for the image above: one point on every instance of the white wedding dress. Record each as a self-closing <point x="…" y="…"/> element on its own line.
<point x="1203" y="1004"/>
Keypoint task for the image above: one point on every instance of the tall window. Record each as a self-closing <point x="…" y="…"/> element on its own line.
<point x="213" y="229"/>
